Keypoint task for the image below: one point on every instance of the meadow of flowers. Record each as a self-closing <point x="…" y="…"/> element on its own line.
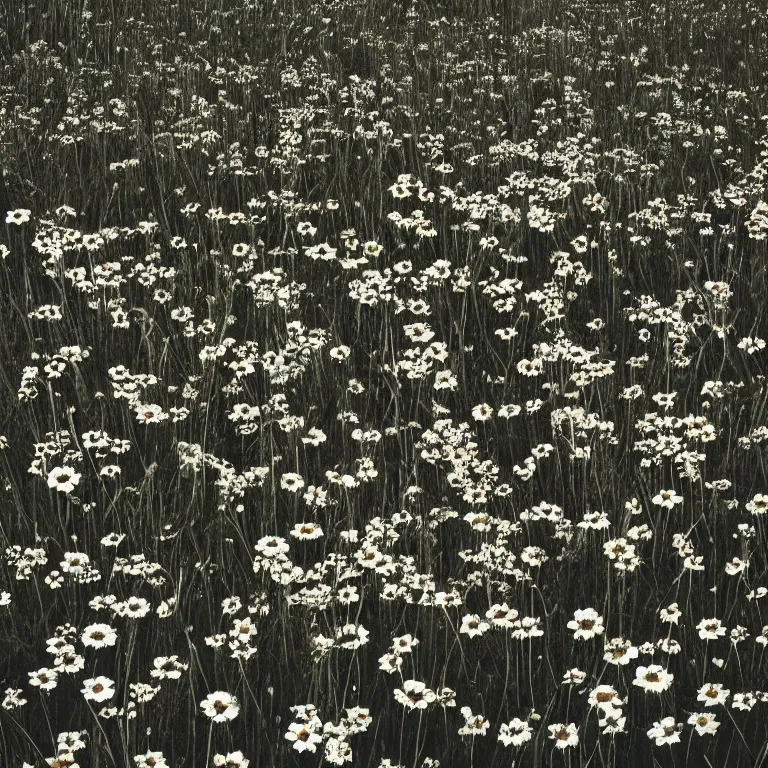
<point x="383" y="384"/>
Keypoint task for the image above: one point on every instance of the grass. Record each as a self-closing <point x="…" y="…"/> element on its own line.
<point x="570" y="198"/>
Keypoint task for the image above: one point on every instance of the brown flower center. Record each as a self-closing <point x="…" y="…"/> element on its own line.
<point x="604" y="696"/>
